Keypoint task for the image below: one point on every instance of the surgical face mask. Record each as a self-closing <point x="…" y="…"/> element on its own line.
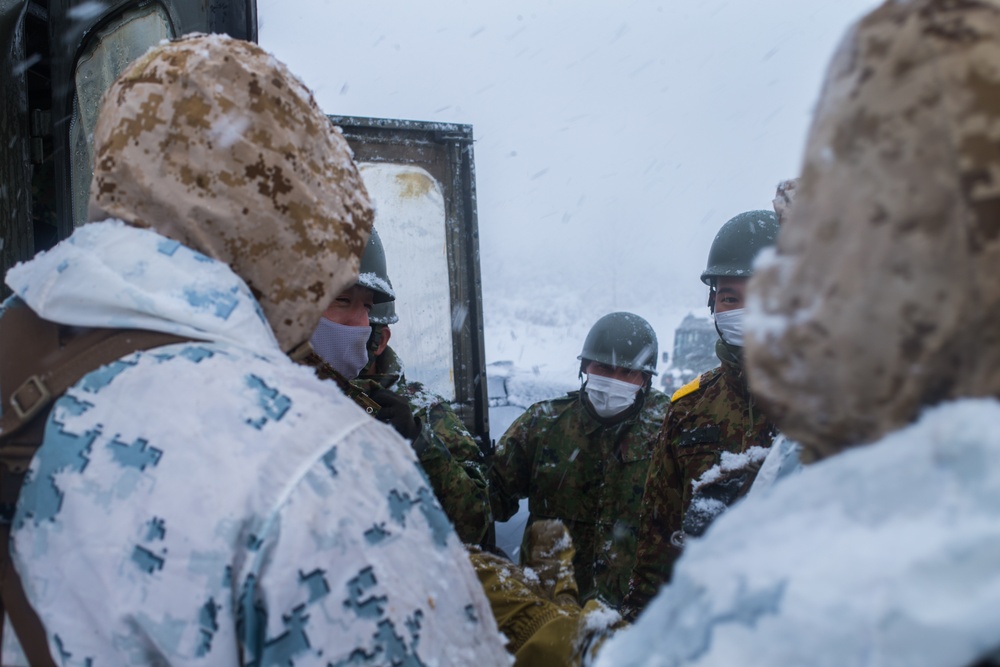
<point x="344" y="348"/>
<point x="610" y="397"/>
<point x="730" y="325"/>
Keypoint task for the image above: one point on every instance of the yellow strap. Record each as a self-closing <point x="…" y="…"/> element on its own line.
<point x="691" y="387"/>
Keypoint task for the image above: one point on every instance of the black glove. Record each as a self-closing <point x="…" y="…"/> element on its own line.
<point x="395" y="411"/>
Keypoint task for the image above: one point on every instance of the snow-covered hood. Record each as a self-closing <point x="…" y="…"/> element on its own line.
<point x="883" y="295"/>
<point x="885" y="555"/>
<point x="214" y="143"/>
<point x="108" y="274"/>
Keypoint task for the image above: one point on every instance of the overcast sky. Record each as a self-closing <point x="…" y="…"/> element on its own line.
<point x="613" y="138"/>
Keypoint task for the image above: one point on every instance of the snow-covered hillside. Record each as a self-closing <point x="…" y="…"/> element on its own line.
<point x="542" y="331"/>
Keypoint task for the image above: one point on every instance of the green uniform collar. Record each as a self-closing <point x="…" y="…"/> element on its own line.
<point x="729" y="354"/>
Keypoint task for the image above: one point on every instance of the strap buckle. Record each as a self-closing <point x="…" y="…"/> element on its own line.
<point x="30" y="398"/>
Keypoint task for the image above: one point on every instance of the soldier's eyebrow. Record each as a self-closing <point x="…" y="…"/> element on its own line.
<point x="727" y="290"/>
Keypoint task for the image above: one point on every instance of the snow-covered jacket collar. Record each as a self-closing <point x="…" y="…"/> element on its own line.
<point x="213" y="143"/>
<point x="883" y="296"/>
<point x="108" y="274"/>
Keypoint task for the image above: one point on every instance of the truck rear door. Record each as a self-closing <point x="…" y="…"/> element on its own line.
<point x="421" y="176"/>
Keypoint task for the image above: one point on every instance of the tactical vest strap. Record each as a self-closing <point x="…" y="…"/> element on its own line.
<point x="51" y="358"/>
<point x="23" y="619"/>
<point x="42" y="360"/>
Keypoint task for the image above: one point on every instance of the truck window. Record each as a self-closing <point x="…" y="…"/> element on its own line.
<point x="410" y="218"/>
<point x="107" y="52"/>
<point x="421" y="176"/>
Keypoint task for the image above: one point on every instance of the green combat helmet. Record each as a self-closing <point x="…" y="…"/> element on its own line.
<point x="373" y="273"/>
<point x="623" y="340"/>
<point x="737" y="245"/>
<point x="383" y="313"/>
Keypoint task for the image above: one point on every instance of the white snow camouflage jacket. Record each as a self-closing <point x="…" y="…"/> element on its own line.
<point x="213" y="503"/>
<point x="884" y="555"/>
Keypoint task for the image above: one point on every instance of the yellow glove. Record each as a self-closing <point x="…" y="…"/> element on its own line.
<point x="549" y="554"/>
<point x="537" y="609"/>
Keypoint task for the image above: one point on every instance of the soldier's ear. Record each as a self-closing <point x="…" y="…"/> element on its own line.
<point x="384" y="342"/>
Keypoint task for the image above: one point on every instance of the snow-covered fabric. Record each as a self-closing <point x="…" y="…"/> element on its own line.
<point x="215" y="144"/>
<point x="212" y="503"/>
<point x="883" y="295"/>
<point x="781" y="461"/>
<point x="108" y="274"/>
<point x="884" y="555"/>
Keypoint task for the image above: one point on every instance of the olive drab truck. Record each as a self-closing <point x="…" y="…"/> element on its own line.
<point x="61" y="55"/>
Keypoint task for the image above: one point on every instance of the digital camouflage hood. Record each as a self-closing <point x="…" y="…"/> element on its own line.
<point x="212" y="142"/>
<point x="884" y="294"/>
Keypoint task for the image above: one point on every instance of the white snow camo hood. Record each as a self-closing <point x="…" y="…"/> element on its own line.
<point x="883" y="295"/>
<point x="212" y="142"/>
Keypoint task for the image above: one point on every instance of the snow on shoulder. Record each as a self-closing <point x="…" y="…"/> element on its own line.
<point x="885" y="554"/>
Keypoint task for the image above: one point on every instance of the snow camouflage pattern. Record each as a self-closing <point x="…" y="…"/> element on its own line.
<point x="901" y="181"/>
<point x="446" y="450"/>
<point x="720" y="416"/>
<point x="251" y="173"/>
<point x="883" y="555"/>
<point x="589" y="475"/>
<point x="220" y="504"/>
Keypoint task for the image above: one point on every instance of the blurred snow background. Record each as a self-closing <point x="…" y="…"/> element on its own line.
<point x="612" y="139"/>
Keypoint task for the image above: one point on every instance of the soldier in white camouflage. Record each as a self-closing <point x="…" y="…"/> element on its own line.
<point x="872" y="343"/>
<point x="583" y="458"/>
<point x="208" y="502"/>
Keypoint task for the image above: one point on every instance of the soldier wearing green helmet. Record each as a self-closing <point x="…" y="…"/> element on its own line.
<point x="351" y="347"/>
<point x="583" y="458"/>
<point x="715" y="414"/>
<point x="341" y="338"/>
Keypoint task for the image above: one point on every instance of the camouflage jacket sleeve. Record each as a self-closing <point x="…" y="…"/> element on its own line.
<point x="661" y="515"/>
<point x="513" y="465"/>
<point x="455" y="467"/>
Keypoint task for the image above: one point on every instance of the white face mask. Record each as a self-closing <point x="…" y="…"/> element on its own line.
<point x="730" y="324"/>
<point x="344" y="348"/>
<point x="610" y="397"/>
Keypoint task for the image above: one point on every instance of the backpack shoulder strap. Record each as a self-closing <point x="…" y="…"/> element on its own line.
<point x="49" y="358"/>
<point x="41" y="360"/>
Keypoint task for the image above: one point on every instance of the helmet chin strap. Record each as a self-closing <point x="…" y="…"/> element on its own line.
<point x="735" y="352"/>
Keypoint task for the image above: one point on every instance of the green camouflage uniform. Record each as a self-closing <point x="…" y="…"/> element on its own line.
<point x="710" y="416"/>
<point x="587" y="472"/>
<point x="447" y="451"/>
